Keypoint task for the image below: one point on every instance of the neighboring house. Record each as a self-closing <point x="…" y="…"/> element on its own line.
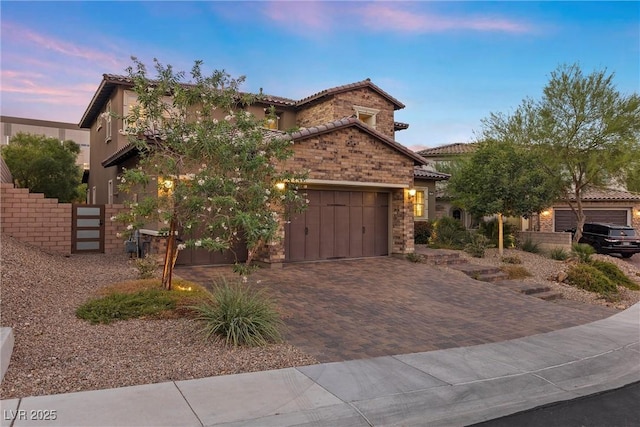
<point x="612" y="206"/>
<point x="63" y="131"/>
<point x="437" y="159"/>
<point x="359" y="176"/>
<point x="607" y="205"/>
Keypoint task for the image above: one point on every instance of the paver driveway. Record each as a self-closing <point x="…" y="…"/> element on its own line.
<point x="354" y="309"/>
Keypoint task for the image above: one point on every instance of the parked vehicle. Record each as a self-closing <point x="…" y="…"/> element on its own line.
<point x="611" y="238"/>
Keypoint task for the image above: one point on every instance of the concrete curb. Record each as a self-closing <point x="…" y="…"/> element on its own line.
<point x="6" y="348"/>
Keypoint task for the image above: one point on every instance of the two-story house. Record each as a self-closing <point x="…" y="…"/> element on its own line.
<point x="360" y="183"/>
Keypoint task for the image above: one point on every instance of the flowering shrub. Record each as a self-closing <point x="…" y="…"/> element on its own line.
<point x="209" y="180"/>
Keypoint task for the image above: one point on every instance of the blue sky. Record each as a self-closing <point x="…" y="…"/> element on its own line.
<point x="452" y="63"/>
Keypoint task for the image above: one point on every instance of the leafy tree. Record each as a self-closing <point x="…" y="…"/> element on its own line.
<point x="210" y="168"/>
<point x="501" y="178"/>
<point x="45" y="165"/>
<point x="585" y="131"/>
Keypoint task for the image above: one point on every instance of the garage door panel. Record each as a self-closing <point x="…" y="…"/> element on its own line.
<point x="341" y="238"/>
<point x="369" y="231"/>
<point x="327" y="231"/>
<point x="312" y="232"/>
<point x="356" y="231"/>
<point x="296" y="237"/>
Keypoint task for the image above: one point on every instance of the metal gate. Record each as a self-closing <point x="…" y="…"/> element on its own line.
<point x="87" y="230"/>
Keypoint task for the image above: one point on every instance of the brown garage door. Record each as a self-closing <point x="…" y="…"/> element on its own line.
<point x="565" y="219"/>
<point x="339" y="224"/>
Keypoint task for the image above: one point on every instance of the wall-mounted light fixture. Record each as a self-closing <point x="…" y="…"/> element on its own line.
<point x="638" y="212"/>
<point x="412" y="192"/>
<point x="168" y="184"/>
<point x="546" y="212"/>
<point x="280" y="185"/>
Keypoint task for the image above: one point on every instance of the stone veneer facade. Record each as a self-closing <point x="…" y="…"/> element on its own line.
<point x="354" y="156"/>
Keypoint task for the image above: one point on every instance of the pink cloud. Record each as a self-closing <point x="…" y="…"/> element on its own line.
<point x="390" y="17"/>
<point x="305" y="15"/>
<point x="48" y="43"/>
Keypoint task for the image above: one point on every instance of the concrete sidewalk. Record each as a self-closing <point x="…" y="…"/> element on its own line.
<point x="457" y="386"/>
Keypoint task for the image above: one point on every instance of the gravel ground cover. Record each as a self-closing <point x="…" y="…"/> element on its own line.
<point x="545" y="270"/>
<point x="54" y="352"/>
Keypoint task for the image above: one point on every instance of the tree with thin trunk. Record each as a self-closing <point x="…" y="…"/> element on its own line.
<point x="586" y="133"/>
<point x="501" y="178"/>
<point x="210" y="168"/>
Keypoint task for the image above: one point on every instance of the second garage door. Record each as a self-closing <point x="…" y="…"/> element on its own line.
<point x="339" y="224"/>
<point x="565" y="219"/>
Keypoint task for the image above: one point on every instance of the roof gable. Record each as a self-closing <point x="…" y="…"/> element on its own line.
<point x="353" y="122"/>
<point x="397" y="105"/>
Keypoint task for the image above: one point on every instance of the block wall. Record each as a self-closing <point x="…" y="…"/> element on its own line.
<point x="34" y="219"/>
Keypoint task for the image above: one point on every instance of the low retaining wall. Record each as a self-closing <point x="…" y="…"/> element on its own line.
<point x="547" y="240"/>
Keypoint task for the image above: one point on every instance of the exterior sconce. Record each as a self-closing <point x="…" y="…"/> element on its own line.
<point x="412" y="192"/>
<point x="168" y="184"/>
<point x="638" y="212"/>
<point x="546" y="212"/>
<point x="280" y="185"/>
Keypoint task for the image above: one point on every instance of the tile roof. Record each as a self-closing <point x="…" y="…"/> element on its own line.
<point x="352" y="121"/>
<point x="449" y="149"/>
<point x="345" y="88"/>
<point x="607" y="194"/>
<point x="400" y="126"/>
<point x="422" y="172"/>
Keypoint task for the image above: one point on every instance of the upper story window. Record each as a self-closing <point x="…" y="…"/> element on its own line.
<point x="273" y="122"/>
<point x="366" y="115"/>
<point x="107" y="138"/>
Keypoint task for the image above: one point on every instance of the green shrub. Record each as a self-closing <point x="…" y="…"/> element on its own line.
<point x="477" y="246"/>
<point x="582" y="252"/>
<point x="240" y="315"/>
<point x="146" y="267"/>
<point x="559" y="254"/>
<point x="515" y="272"/>
<point x="244" y="269"/>
<point x="491" y="230"/>
<point x="414" y="257"/>
<point x="119" y="306"/>
<point x="448" y="232"/>
<point x="529" y="245"/>
<point x="513" y="259"/>
<point x="586" y="276"/>
<point x="422" y="232"/>
<point x="614" y="274"/>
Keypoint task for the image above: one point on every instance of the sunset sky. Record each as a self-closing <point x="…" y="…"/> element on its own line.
<point x="452" y="63"/>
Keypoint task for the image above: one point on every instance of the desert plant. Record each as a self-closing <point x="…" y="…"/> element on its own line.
<point x="511" y="259"/>
<point x="558" y="254"/>
<point x="241" y="315"/>
<point x="614" y="274"/>
<point x="414" y="257"/>
<point x="490" y="229"/>
<point x="582" y="252"/>
<point x="515" y="272"/>
<point x="147" y="267"/>
<point x="588" y="277"/>
<point x="422" y="232"/>
<point x="119" y="306"/>
<point x="450" y="233"/>
<point x="477" y="246"/>
<point x="529" y="245"/>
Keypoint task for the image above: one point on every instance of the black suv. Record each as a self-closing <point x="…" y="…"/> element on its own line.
<point x="611" y="238"/>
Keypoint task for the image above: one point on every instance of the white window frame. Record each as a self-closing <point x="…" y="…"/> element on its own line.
<point x="424" y="205"/>
<point x="366" y="115"/>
